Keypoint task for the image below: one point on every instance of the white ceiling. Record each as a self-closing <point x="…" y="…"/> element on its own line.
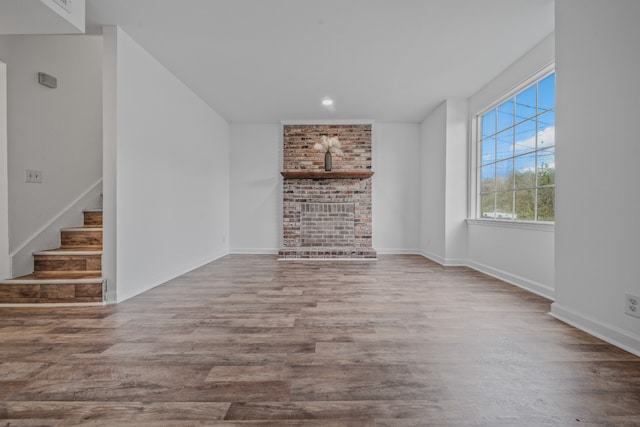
<point x="385" y="60"/>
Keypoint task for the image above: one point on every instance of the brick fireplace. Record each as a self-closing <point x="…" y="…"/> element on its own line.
<point x="327" y="214"/>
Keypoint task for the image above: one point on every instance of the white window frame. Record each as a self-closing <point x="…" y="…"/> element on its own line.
<point x="475" y="163"/>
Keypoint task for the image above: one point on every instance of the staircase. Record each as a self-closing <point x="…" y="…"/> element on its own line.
<point x="71" y="273"/>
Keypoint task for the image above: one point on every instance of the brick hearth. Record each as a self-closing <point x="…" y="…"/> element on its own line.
<point x="327" y="215"/>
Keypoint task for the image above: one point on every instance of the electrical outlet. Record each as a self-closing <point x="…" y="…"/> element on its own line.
<point x="33" y="176"/>
<point x="632" y="305"/>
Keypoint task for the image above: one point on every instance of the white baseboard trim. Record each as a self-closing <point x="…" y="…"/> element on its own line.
<point x="521" y="282"/>
<point x="397" y="251"/>
<point x="606" y="332"/>
<point x="447" y="262"/>
<point x="432" y="257"/>
<point x="526" y="284"/>
<point x="170" y="276"/>
<point x="254" y="251"/>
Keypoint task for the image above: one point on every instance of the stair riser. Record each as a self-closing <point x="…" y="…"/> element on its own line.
<point x="67" y="263"/>
<point x="80" y="238"/>
<point x="93" y="219"/>
<point x="50" y="293"/>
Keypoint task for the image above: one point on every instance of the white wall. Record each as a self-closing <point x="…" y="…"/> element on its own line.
<point x="41" y="17"/>
<point x="598" y="201"/>
<point x="433" y="180"/>
<point x="5" y="260"/>
<point x="166" y="172"/>
<point x="57" y="131"/>
<point x="540" y="56"/>
<point x="522" y="255"/>
<point x="74" y="14"/>
<point x="256" y="188"/>
<point x="511" y="252"/>
<point x="444" y="183"/>
<point x="456" y="192"/>
<point x="396" y="187"/>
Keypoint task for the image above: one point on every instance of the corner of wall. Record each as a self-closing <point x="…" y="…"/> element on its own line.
<point x="109" y="131"/>
<point x="5" y="259"/>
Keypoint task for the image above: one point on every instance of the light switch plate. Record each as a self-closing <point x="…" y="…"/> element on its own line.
<point x="33" y="176"/>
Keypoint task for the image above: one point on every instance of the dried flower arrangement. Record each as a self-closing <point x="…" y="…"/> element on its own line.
<point x="329" y="145"/>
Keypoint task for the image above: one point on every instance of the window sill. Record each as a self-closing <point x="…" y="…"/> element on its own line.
<point x="520" y="225"/>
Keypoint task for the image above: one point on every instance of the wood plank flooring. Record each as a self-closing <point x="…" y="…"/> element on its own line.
<point x="250" y="341"/>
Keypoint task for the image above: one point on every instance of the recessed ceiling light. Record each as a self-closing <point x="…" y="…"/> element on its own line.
<point x="326" y="102"/>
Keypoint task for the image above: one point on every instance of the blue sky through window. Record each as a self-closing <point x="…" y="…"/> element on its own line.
<point x="521" y="124"/>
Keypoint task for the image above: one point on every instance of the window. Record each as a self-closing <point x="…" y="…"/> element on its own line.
<point x="516" y="155"/>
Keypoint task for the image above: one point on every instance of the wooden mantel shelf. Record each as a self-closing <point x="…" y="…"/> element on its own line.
<point x="361" y="174"/>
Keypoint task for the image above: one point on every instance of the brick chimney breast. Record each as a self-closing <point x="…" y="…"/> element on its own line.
<point x="330" y="216"/>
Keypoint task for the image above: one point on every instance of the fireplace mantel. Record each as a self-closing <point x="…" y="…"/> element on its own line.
<point x="360" y="174"/>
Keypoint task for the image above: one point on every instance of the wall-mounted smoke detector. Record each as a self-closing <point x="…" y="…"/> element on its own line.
<point x="65" y="4"/>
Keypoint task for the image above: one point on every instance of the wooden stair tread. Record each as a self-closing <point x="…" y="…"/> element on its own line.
<point x="56" y="277"/>
<point x="71" y="250"/>
<point x="58" y="282"/>
<point x="79" y="229"/>
<point x="62" y="274"/>
<point x="59" y="275"/>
